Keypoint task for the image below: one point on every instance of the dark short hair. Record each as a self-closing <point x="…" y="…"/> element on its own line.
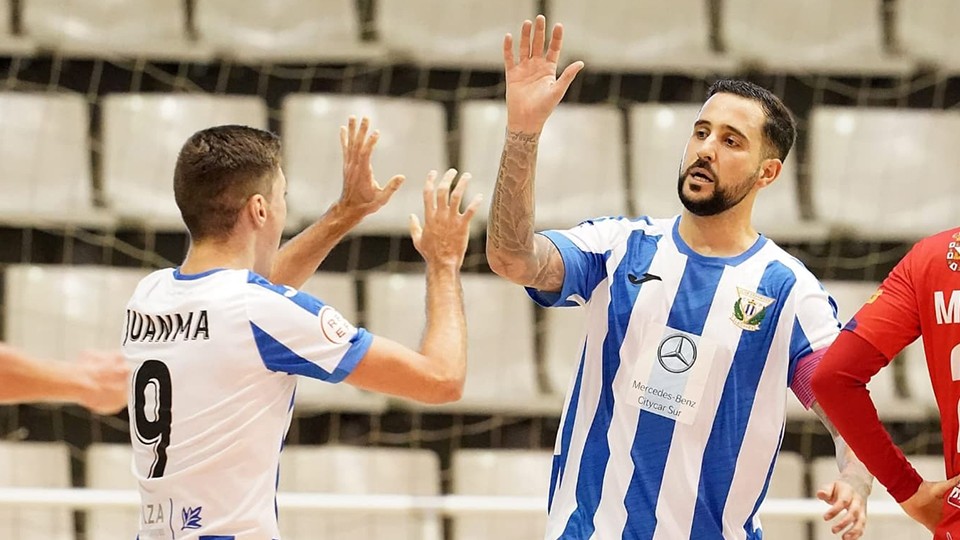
<point x="217" y="171"/>
<point x="779" y="129"/>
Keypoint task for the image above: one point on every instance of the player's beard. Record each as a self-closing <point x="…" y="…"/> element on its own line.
<point x="722" y="199"/>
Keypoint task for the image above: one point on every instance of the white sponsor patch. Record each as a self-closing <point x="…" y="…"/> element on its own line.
<point x="335" y="327"/>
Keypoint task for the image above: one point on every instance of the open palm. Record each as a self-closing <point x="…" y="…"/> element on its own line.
<point x="361" y="191"/>
<point x="533" y="89"/>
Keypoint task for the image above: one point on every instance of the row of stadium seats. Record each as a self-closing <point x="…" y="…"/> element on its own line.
<point x="820" y="36"/>
<point x="865" y="164"/>
<point x="84" y="307"/>
<point x="383" y="471"/>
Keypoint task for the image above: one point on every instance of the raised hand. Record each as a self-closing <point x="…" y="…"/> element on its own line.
<point x="533" y="89"/>
<point x="105" y="379"/>
<point x="361" y="192"/>
<point x="446" y="231"/>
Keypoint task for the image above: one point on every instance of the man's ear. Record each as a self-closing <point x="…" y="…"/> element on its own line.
<point x="769" y="171"/>
<point x="256" y="210"/>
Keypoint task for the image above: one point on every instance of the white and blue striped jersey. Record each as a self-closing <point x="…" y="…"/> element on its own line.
<point x="212" y="395"/>
<point x="675" y="413"/>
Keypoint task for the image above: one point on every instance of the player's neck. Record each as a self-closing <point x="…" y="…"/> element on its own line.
<point x="727" y="234"/>
<point x="204" y="256"/>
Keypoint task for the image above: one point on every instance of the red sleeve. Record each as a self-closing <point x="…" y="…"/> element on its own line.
<point x="890" y="320"/>
<point x="840" y="386"/>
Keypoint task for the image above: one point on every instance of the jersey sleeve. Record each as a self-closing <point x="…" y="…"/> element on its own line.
<point x="298" y="334"/>
<point x="584" y="250"/>
<point x="890" y="320"/>
<point x="815" y="326"/>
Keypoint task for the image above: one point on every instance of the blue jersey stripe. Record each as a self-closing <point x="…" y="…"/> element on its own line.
<point x="736" y="402"/>
<point x="300" y="298"/>
<point x="278" y="357"/>
<point x="640" y="249"/>
<point x="748" y="525"/>
<point x="651" y="444"/>
<point x="566" y="432"/>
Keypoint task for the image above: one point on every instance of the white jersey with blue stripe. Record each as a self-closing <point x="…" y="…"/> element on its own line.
<point x="675" y="414"/>
<point x="212" y="395"/>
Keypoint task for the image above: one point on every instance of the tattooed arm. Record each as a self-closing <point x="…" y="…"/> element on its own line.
<point x="533" y="92"/>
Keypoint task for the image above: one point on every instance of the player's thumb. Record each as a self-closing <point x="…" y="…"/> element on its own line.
<point x="416" y="231"/>
<point x="941" y="488"/>
<point x="825" y="493"/>
<point x="566" y="78"/>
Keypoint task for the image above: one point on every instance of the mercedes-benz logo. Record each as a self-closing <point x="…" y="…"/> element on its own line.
<point x="677" y="353"/>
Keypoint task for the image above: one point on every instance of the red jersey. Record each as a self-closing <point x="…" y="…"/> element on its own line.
<point x="921" y="297"/>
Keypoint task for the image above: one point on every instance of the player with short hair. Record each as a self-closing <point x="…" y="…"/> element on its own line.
<point x="96" y="380"/>
<point x="218" y="340"/>
<point x="696" y="325"/>
<point x="919" y="298"/>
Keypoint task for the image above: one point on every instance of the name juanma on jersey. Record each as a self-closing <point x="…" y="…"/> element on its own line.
<point x="142" y="327"/>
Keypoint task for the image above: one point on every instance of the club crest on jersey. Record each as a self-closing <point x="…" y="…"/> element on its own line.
<point x="190" y="517"/>
<point x="750" y="309"/>
<point x="953" y="253"/>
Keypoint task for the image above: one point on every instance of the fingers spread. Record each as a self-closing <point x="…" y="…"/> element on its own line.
<point x="443" y="189"/>
<point x="457" y="195"/>
<point x="368" y="145"/>
<point x="525" y="40"/>
<point x="429" y="195"/>
<point x="556" y="43"/>
<point x="351" y="130"/>
<point x="362" y="132"/>
<point x="472" y="208"/>
<point x="539" y="35"/>
<point x="416" y="231"/>
<point x="508" y="60"/>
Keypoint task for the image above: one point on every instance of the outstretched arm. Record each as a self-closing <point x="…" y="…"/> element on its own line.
<point x="361" y="196"/>
<point x="533" y="92"/>
<point x="97" y="381"/>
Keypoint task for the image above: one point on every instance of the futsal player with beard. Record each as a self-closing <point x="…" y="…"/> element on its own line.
<point x="697" y="325"/>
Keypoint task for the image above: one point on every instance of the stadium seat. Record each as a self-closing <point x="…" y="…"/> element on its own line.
<point x="824" y="471"/>
<point x="890" y="403"/>
<point x="563" y="334"/>
<point x="819" y="36"/>
<point x="503" y="473"/>
<point x="283" y="30"/>
<point x="639" y="35"/>
<point x="108" y="466"/>
<point x="142" y="136"/>
<point x="11" y="44"/>
<point x="358" y="471"/>
<point x="35" y="465"/>
<point x="658" y="135"/>
<point x="458" y="35"/>
<point x="412" y="143"/>
<point x="883" y="173"/>
<point x="501" y="369"/>
<point x="83" y="306"/>
<point x="316" y="396"/>
<point x="580" y="165"/>
<point x="45" y="161"/>
<point x="150" y="29"/>
<point x="787" y="482"/>
<point x="924" y="30"/>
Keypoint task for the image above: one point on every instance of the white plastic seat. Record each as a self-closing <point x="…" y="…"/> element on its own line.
<point x="658" y="135"/>
<point x="787" y="482"/>
<point x="45" y="161"/>
<point x="83" y="306"/>
<point x="891" y="405"/>
<point x="412" y="143"/>
<point x="152" y="29"/>
<point x="580" y="163"/>
<point x="882" y="173"/>
<point x="10" y="44"/>
<point x="315" y="396"/>
<point x="819" y="36"/>
<point x="359" y="471"/>
<point x="283" y="30"/>
<point x="824" y="470"/>
<point x="513" y="473"/>
<point x="142" y="136"/>
<point x="108" y="466"/>
<point x="501" y="369"/>
<point x="35" y="465"/>
<point x="466" y="34"/>
<point x="639" y="35"/>
<point x="925" y="30"/>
